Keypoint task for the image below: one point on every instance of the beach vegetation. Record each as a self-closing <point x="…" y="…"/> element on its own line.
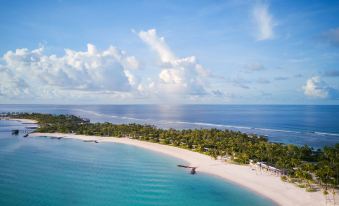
<point x="300" y="164"/>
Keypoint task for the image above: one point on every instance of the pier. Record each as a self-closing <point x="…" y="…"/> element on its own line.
<point x="193" y="169"/>
<point x="56" y="137"/>
<point x="95" y="141"/>
<point x="25" y="131"/>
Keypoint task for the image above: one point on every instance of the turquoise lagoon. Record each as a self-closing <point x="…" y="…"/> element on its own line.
<point x="43" y="171"/>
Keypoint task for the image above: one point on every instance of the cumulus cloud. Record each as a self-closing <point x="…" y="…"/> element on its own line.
<point x="11" y="85"/>
<point x="317" y="88"/>
<point x="178" y="76"/>
<point x="31" y="72"/>
<point x="101" y="74"/>
<point x="158" y="44"/>
<point x="264" y="22"/>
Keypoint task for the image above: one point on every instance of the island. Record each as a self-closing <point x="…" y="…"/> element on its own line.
<point x="288" y="174"/>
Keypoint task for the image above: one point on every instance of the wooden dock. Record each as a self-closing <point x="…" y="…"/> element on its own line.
<point x="193" y="169"/>
<point x="95" y="141"/>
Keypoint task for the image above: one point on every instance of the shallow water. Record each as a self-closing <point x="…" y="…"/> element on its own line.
<point x="43" y="171"/>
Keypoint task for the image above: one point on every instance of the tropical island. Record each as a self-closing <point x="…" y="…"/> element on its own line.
<point x="310" y="171"/>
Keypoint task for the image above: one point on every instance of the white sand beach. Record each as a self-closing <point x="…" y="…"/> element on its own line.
<point x="26" y="121"/>
<point x="264" y="184"/>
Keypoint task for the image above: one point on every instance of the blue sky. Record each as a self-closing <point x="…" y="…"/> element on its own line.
<point x="116" y="52"/>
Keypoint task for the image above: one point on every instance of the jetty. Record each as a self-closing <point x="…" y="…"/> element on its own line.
<point x="193" y="169"/>
<point x="95" y="141"/>
<point x="26" y="131"/>
<point x="32" y="127"/>
<point x="56" y="137"/>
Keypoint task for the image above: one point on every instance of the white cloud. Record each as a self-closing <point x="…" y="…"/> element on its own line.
<point x="158" y="44"/>
<point x="98" y="75"/>
<point x="178" y="76"/>
<point x="264" y="22"/>
<point x="31" y="72"/>
<point x="10" y="85"/>
<point x="315" y="88"/>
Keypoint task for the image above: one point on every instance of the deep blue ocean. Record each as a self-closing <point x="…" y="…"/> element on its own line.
<point x="316" y="126"/>
<point x="48" y="172"/>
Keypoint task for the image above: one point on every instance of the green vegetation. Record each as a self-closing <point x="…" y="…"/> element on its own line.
<point x="300" y="164"/>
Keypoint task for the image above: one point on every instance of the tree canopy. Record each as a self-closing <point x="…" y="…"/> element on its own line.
<point x="300" y="162"/>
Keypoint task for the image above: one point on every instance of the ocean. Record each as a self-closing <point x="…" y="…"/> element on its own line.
<point x="42" y="171"/>
<point x="316" y="126"/>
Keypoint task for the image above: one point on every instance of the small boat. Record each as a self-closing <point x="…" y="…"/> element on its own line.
<point x="193" y="170"/>
<point x="15" y="132"/>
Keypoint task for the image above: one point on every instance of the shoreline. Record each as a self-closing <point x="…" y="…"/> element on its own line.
<point x="24" y="121"/>
<point x="266" y="185"/>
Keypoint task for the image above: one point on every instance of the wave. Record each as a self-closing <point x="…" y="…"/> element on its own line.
<point x="110" y="116"/>
<point x="209" y="125"/>
<point x="326" y="133"/>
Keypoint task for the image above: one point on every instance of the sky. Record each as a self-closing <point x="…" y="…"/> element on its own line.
<point x="169" y="52"/>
